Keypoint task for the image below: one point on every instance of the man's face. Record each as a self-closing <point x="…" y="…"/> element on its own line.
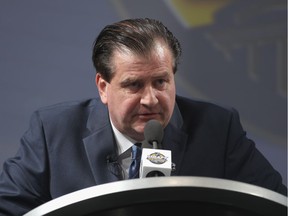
<point x="142" y="88"/>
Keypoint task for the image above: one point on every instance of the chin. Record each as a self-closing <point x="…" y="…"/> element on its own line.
<point x="140" y="129"/>
<point x="138" y="132"/>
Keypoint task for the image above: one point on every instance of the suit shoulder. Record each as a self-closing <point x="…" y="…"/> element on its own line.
<point x="67" y="110"/>
<point x="68" y="105"/>
<point x="207" y="116"/>
<point x="188" y="105"/>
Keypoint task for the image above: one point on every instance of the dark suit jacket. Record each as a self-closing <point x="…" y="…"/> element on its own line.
<point x="68" y="147"/>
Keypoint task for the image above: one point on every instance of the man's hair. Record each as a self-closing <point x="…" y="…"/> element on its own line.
<point x="136" y="35"/>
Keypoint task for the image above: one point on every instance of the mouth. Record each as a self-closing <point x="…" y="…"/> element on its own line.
<point x="148" y="116"/>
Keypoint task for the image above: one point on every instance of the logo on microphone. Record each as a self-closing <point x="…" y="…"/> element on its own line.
<point x="157" y="158"/>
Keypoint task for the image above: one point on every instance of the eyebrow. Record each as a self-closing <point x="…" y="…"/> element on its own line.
<point x="129" y="80"/>
<point x="163" y="74"/>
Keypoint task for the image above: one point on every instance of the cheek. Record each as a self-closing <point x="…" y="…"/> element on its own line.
<point x="168" y="103"/>
<point x="130" y="106"/>
<point x="169" y="94"/>
<point x="123" y="106"/>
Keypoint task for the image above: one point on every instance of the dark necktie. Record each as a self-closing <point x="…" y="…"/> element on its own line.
<point x="135" y="164"/>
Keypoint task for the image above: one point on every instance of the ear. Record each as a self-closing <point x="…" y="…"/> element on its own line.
<point x="102" y="86"/>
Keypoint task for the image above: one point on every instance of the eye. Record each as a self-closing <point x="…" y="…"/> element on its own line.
<point x="160" y="83"/>
<point x="133" y="86"/>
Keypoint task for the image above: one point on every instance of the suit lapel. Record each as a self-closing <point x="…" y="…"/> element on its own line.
<point x="175" y="139"/>
<point x="100" y="145"/>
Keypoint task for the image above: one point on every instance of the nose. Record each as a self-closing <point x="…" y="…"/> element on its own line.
<point x="148" y="97"/>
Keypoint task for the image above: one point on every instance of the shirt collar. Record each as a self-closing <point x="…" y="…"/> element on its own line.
<point x="123" y="142"/>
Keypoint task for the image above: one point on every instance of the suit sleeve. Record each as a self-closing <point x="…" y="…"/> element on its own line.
<point x="24" y="180"/>
<point x="245" y="163"/>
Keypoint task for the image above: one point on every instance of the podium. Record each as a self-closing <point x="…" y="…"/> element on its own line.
<point x="168" y="196"/>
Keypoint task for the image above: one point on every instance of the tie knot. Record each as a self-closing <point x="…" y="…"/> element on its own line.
<point x="136" y="151"/>
<point x="138" y="145"/>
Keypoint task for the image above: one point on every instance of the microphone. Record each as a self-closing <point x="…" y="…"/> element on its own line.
<point x="153" y="133"/>
<point x="155" y="161"/>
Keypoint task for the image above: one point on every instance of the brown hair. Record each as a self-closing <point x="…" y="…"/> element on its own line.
<point x="136" y="35"/>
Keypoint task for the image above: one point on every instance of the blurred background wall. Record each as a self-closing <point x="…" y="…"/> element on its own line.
<point x="234" y="54"/>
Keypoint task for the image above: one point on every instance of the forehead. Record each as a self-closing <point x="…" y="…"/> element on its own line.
<point x="158" y="56"/>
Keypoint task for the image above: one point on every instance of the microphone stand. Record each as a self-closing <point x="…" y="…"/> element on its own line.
<point x="155" y="146"/>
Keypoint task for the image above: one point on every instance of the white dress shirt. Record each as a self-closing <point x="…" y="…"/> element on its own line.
<point x="124" y="144"/>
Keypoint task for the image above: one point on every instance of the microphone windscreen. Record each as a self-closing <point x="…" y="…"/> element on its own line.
<point x="153" y="131"/>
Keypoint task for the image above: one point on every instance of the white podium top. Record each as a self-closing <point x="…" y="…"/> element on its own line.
<point x="115" y="197"/>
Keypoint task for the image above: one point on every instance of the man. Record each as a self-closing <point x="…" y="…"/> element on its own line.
<point x="71" y="146"/>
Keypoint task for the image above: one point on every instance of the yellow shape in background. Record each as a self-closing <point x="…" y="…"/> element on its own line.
<point x="197" y="13"/>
